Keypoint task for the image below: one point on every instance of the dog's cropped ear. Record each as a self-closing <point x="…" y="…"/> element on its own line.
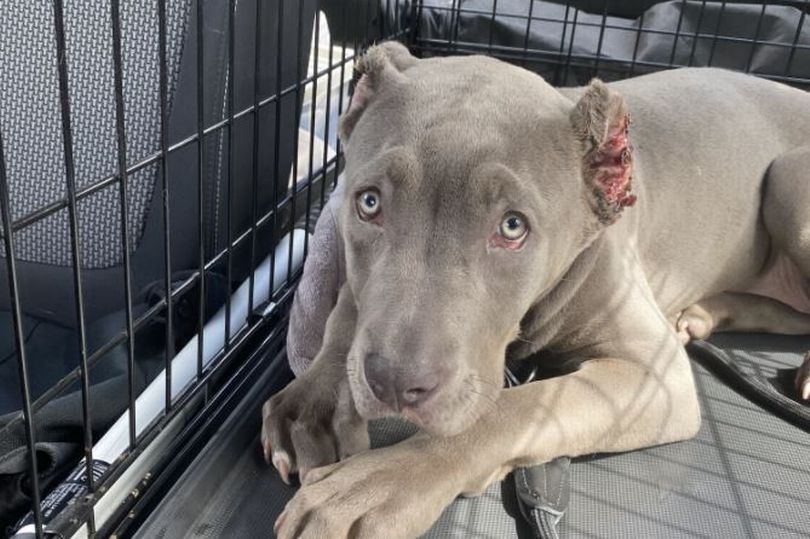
<point x="601" y="124"/>
<point x="381" y="64"/>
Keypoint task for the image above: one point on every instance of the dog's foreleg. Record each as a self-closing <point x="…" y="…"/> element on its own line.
<point x="313" y="421"/>
<point x="608" y="405"/>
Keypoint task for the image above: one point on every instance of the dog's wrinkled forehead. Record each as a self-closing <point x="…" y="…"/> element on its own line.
<point x="453" y="113"/>
<point x="449" y="173"/>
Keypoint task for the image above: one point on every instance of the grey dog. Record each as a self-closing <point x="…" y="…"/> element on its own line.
<point x="488" y="214"/>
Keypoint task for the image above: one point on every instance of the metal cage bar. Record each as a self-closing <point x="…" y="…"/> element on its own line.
<point x="342" y="65"/>
<point x="677" y="33"/>
<point x="695" y="37"/>
<point x="276" y="141"/>
<point x="639" y="32"/>
<point x="164" y="175"/>
<point x="562" y="45"/>
<point x="325" y="155"/>
<point x="200" y="185"/>
<point x="296" y="138"/>
<point x="794" y="45"/>
<point x="75" y="246"/>
<point x="231" y="167"/>
<point x="120" y="131"/>
<point x="314" y="87"/>
<point x="19" y="343"/>
<point x="755" y="41"/>
<point x="601" y="36"/>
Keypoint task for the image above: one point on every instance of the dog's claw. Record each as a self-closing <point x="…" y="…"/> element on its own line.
<point x="279" y="521"/>
<point x="683" y="332"/>
<point x="267" y="450"/>
<point x="281" y="462"/>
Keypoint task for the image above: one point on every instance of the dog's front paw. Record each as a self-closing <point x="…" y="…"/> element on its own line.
<point x="393" y="492"/>
<point x="311" y="423"/>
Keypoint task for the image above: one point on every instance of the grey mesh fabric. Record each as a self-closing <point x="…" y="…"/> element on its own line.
<point x="744" y="475"/>
<point x="30" y="120"/>
<point x="30" y="117"/>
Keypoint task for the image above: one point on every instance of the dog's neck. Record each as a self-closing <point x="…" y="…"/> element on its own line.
<point x="544" y="323"/>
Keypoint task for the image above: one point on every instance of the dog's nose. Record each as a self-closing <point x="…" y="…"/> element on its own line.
<point x="399" y="387"/>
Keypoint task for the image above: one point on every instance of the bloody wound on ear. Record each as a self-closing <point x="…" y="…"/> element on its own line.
<point x="602" y="124"/>
<point x="613" y="166"/>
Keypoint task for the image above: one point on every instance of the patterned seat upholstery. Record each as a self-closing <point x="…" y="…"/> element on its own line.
<point x="31" y="127"/>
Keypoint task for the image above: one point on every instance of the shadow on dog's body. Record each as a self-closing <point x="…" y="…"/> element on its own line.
<point x="485" y="209"/>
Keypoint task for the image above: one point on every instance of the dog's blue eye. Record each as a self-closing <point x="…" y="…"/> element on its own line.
<point x="513" y="227"/>
<point x="368" y="204"/>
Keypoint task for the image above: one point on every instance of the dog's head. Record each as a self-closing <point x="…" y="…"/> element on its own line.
<point x="472" y="185"/>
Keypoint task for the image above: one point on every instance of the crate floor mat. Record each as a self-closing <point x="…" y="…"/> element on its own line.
<point x="746" y="474"/>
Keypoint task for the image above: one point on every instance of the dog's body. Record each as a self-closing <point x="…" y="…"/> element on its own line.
<point x="722" y="159"/>
<point x="437" y="288"/>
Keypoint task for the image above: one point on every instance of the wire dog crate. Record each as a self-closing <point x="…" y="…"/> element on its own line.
<point x="161" y="166"/>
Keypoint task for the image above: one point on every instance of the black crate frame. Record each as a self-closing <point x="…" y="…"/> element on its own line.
<point x="263" y="330"/>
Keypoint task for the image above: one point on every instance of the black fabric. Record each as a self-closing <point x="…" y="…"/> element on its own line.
<point x="615" y="42"/>
<point x="59" y="431"/>
<point x="362" y="21"/>
<point x="634" y="8"/>
<point x="52" y="352"/>
<point x="775" y="391"/>
<point x="744" y="475"/>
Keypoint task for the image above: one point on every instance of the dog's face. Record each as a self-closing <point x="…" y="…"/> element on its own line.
<point x="465" y="203"/>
